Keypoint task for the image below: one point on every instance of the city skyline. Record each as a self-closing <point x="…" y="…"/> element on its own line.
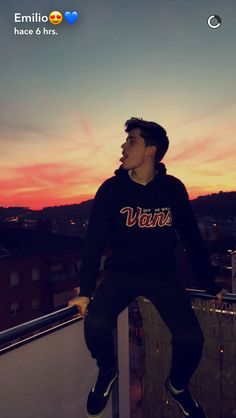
<point x="64" y="99"/>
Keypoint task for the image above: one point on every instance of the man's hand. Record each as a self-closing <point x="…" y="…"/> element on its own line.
<point x="81" y="302"/>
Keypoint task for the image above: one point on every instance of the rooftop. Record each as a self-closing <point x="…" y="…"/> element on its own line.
<point x="47" y="370"/>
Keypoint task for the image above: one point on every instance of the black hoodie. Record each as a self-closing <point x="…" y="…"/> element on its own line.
<point x="140" y="223"/>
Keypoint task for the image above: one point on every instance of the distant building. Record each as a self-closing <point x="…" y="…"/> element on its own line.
<point x="213" y="229"/>
<point x="39" y="271"/>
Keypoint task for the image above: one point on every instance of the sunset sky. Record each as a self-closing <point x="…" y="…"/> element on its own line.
<point x="64" y="98"/>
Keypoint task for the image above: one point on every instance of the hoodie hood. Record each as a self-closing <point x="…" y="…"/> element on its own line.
<point x="160" y="167"/>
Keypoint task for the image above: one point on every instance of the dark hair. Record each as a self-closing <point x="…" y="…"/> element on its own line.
<point x="152" y="133"/>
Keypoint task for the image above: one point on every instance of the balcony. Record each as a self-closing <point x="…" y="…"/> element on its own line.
<point x="46" y="371"/>
<point x="48" y="374"/>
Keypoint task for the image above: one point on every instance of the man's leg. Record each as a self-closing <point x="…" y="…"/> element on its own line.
<point x="112" y="296"/>
<point x="173" y="304"/>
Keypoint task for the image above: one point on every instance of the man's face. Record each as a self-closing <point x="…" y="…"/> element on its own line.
<point x="134" y="150"/>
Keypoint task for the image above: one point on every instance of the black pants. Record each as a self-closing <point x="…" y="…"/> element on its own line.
<point x="115" y="293"/>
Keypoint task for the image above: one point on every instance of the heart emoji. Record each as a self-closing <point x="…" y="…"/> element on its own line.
<point x="71" y="17"/>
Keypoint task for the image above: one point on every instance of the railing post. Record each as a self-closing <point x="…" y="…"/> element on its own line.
<point x="123" y="356"/>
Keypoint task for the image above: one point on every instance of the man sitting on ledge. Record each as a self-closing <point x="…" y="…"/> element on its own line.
<point x="139" y="211"/>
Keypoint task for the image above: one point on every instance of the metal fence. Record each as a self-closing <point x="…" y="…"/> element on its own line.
<point x="214" y="382"/>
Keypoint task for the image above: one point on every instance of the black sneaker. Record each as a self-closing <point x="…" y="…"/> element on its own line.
<point x="99" y="394"/>
<point x="189" y="406"/>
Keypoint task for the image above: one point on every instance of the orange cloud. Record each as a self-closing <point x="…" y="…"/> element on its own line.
<point x="193" y="149"/>
<point x="39" y="200"/>
<point x="48" y="184"/>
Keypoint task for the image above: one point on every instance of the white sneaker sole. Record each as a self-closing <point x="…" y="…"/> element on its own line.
<point x="99" y="415"/>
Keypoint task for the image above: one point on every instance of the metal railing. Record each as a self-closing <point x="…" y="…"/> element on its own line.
<point x="50" y="372"/>
<point x="21" y="332"/>
<point x="214" y="381"/>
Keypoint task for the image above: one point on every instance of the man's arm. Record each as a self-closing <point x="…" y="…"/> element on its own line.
<point x="189" y="233"/>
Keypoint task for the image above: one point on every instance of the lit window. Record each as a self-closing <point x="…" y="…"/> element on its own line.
<point x="35" y="274"/>
<point x="78" y="264"/>
<point x="56" y="267"/>
<point x="102" y="261"/>
<point x="14" y="278"/>
<point x="35" y="303"/>
<point x="15" y="308"/>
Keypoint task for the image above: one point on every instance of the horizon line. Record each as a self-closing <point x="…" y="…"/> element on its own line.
<point x="83" y="201"/>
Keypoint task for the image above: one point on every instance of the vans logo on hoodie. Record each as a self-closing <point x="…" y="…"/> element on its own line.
<point x="145" y="218"/>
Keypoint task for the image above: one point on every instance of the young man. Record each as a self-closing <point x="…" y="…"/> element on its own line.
<point x="138" y="211"/>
